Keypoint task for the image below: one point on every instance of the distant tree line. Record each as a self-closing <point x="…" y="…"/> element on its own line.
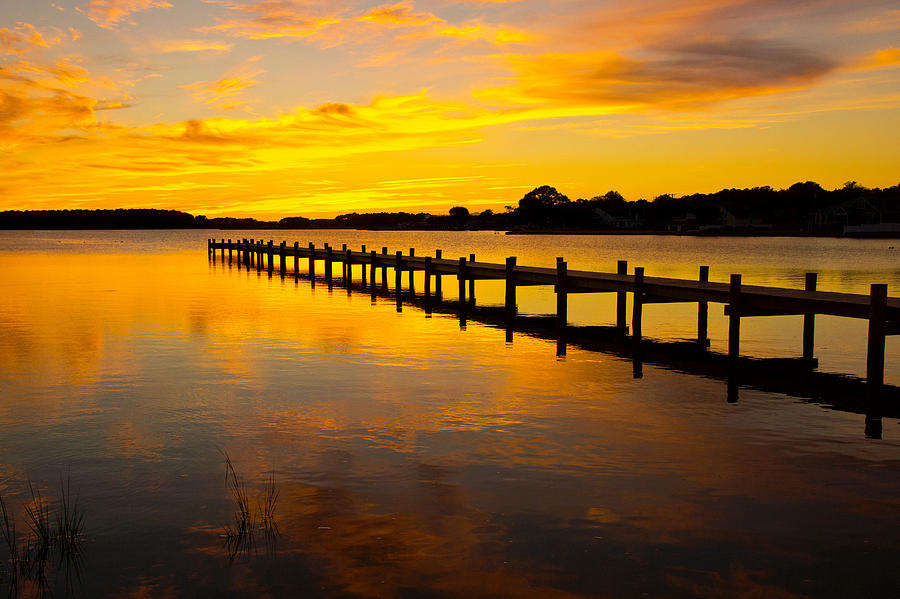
<point x="801" y="208"/>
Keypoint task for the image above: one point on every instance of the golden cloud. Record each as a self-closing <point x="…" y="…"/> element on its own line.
<point x="400" y="14"/>
<point x="109" y="13"/>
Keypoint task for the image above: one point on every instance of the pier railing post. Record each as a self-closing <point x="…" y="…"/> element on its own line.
<point x="259" y="254"/>
<point x="312" y="262"/>
<point x="348" y="268"/>
<point x="734" y="324"/>
<point x="427" y="290"/>
<point x="296" y="259"/>
<point x="636" y="317"/>
<point x="412" y="272"/>
<point x="372" y="256"/>
<point x="229" y="250"/>
<point x="621" y="298"/>
<point x="344" y="264"/>
<point x="363" y="264"/>
<point x="703" y="313"/>
<point x="270" y="251"/>
<point x="510" y="299"/>
<point x="437" y="276"/>
<point x="471" y="282"/>
<point x="329" y="261"/>
<point x="461" y="278"/>
<point x="809" y="323"/>
<point x="282" y="257"/>
<point x="223" y="249"/>
<point x="384" y="264"/>
<point x="562" y="295"/>
<point x="398" y="273"/>
<point x="875" y="353"/>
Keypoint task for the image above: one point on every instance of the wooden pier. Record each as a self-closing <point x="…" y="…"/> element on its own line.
<point x="741" y="301"/>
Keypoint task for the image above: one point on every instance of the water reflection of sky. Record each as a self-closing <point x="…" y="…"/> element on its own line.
<point x="413" y="458"/>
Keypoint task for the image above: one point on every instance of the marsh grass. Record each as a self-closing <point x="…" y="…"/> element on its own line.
<point x="240" y="536"/>
<point x="31" y="557"/>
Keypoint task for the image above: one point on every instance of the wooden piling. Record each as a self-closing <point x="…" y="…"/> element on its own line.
<point x="428" y="271"/>
<point x="270" y="251"/>
<point x="223" y="249"/>
<point x="562" y="295"/>
<point x="621" y="298"/>
<point x="348" y="268"/>
<point x="398" y="273"/>
<point x="296" y="259"/>
<point x="471" y="283"/>
<point x="229" y="250"/>
<point x="384" y="284"/>
<point x="372" y="256"/>
<point x="875" y="353"/>
<point x="437" y="276"/>
<point x="329" y="260"/>
<point x="734" y="323"/>
<point x="510" y="303"/>
<point x="637" y="313"/>
<point x="703" y="313"/>
<point x="282" y="257"/>
<point x="461" y="277"/>
<point x="312" y="262"/>
<point x="259" y="253"/>
<point x="363" y="266"/>
<point x="809" y="322"/>
<point x="412" y="273"/>
<point x="344" y="264"/>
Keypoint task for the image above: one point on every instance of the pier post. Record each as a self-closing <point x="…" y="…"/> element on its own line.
<point x="809" y="323"/>
<point x="208" y="247"/>
<point x="259" y="254"/>
<point x="562" y="295"/>
<point x="384" y="284"/>
<point x="348" y="268"/>
<point x="312" y="262"/>
<point x="471" y="283"/>
<point x="246" y="251"/>
<point x="229" y="251"/>
<point x="372" y="257"/>
<point x="296" y="259"/>
<point x="461" y="277"/>
<point x="211" y="246"/>
<point x="398" y="273"/>
<point x="282" y="257"/>
<point x="703" y="313"/>
<point x="412" y="273"/>
<point x="734" y="324"/>
<point x="510" y="299"/>
<point x="875" y="353"/>
<point x="428" y="270"/>
<point x="344" y="264"/>
<point x="437" y="276"/>
<point x="329" y="260"/>
<point x="270" y="250"/>
<point x="636" y="316"/>
<point x="363" y="251"/>
<point x="223" y="249"/>
<point x="621" y="297"/>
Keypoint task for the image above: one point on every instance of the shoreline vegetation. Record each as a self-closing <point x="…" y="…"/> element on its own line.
<point x="803" y="209"/>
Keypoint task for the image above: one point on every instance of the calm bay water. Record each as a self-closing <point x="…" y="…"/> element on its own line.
<point x="417" y="459"/>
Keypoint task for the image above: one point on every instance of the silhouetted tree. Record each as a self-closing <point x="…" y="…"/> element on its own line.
<point x="460" y="215"/>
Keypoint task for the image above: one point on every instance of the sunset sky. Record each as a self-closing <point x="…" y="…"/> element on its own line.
<point x="295" y="107"/>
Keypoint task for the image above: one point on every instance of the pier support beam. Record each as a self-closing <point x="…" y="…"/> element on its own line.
<point x="809" y="323"/>
<point x="437" y="276"/>
<point x="621" y="297"/>
<point x="703" y="313"/>
<point x="428" y="271"/>
<point x="471" y="283"/>
<point x="562" y="295"/>
<point x="461" y="278"/>
<point x="636" y="316"/>
<point x="329" y="261"/>
<point x="372" y="258"/>
<point x="363" y="265"/>
<point x="384" y="284"/>
<point x="875" y="356"/>
<point x="398" y="274"/>
<point x="510" y="299"/>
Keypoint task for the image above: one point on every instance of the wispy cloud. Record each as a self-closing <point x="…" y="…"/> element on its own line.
<point x="188" y="45"/>
<point x="24" y="37"/>
<point x="110" y="13"/>
<point x="226" y="93"/>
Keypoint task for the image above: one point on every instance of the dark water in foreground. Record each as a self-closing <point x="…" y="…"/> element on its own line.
<point x="413" y="458"/>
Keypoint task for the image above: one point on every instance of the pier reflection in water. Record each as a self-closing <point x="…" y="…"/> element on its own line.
<point x="412" y="458"/>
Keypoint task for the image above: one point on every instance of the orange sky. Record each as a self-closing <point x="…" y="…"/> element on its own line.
<point x="297" y="107"/>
